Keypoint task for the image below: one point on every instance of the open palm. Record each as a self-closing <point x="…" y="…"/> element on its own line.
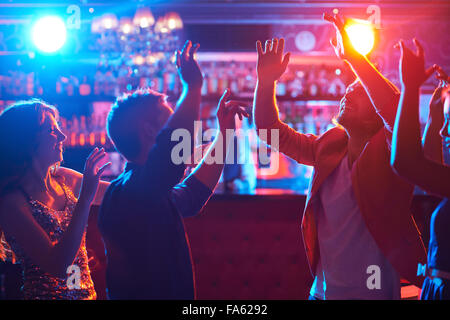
<point x="271" y="62"/>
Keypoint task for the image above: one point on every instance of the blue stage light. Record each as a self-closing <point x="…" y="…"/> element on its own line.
<point x="49" y="34"/>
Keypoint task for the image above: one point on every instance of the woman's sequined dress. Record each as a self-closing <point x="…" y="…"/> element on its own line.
<point x="39" y="284"/>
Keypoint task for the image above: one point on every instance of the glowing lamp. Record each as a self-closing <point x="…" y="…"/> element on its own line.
<point x="49" y="34"/>
<point x="161" y="25"/>
<point x="143" y="18"/>
<point x="174" y="21"/>
<point x="126" y="25"/>
<point x="109" y="21"/>
<point x="361" y="34"/>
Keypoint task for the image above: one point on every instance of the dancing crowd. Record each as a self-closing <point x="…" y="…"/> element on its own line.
<point x="357" y="213"/>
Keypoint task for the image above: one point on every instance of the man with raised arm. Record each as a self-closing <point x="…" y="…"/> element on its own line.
<point x="359" y="235"/>
<point x="141" y="217"/>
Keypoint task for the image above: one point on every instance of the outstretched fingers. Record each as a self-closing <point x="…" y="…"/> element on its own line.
<point x="268" y="45"/>
<point x="280" y="48"/>
<point x="430" y="71"/>
<point x="193" y="50"/>
<point x="178" y="58"/>
<point x="339" y="23"/>
<point x="186" y="48"/>
<point x="274" y="46"/>
<point x="335" y="20"/>
<point x="419" y="49"/>
<point x="403" y="49"/>
<point x="99" y="156"/>
<point x="259" y="48"/>
<point x="286" y="59"/>
<point x="238" y="109"/>
<point x="103" y="168"/>
<point x="222" y="101"/>
<point x="442" y="76"/>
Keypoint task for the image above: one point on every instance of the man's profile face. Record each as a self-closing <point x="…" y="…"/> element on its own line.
<point x="355" y="108"/>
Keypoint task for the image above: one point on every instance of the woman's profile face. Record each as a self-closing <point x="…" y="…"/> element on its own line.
<point x="50" y="142"/>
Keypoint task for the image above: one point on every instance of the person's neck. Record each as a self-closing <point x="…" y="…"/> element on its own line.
<point x="356" y="145"/>
<point x="146" y="147"/>
<point x="38" y="178"/>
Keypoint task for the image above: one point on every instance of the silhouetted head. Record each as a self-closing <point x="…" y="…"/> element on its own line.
<point x="135" y="121"/>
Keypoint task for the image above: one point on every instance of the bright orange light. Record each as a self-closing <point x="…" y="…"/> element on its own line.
<point x="82" y="139"/>
<point x="361" y="34"/>
<point x="102" y="138"/>
<point x="91" y="138"/>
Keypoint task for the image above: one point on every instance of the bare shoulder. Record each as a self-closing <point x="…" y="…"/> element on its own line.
<point x="69" y="173"/>
<point x="71" y="179"/>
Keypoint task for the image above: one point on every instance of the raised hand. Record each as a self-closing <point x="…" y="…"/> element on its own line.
<point x="437" y="101"/>
<point x="227" y="110"/>
<point x="412" y="65"/>
<point x="271" y="62"/>
<point x="92" y="174"/>
<point x="443" y="78"/>
<point x="341" y="44"/>
<point x="188" y="68"/>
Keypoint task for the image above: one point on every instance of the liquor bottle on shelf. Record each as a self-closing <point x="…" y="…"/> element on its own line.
<point x="318" y="119"/>
<point x="204" y="90"/>
<point x="70" y="86"/>
<point x="298" y="118"/>
<point x="109" y="82"/>
<point x="241" y="76"/>
<point x="232" y="75"/>
<point x="281" y="87"/>
<point x="250" y="80"/>
<point x="30" y="84"/>
<point x="313" y="87"/>
<point x="83" y="132"/>
<point x="59" y="86"/>
<point x="214" y="81"/>
<point x="296" y="88"/>
<point x="289" y="120"/>
<point x="309" y="126"/>
<point x="85" y="88"/>
<point x="220" y="79"/>
<point x="98" y="82"/>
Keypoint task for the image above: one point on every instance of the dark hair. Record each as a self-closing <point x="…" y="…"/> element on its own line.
<point x="123" y="123"/>
<point x="20" y="124"/>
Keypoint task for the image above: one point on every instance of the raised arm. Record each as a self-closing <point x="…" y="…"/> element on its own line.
<point x="169" y="172"/>
<point x="407" y="156"/>
<point x="208" y="170"/>
<point x="432" y="139"/>
<point x="382" y="93"/>
<point x="192" y="194"/>
<point x="270" y="66"/>
<point x="188" y="105"/>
